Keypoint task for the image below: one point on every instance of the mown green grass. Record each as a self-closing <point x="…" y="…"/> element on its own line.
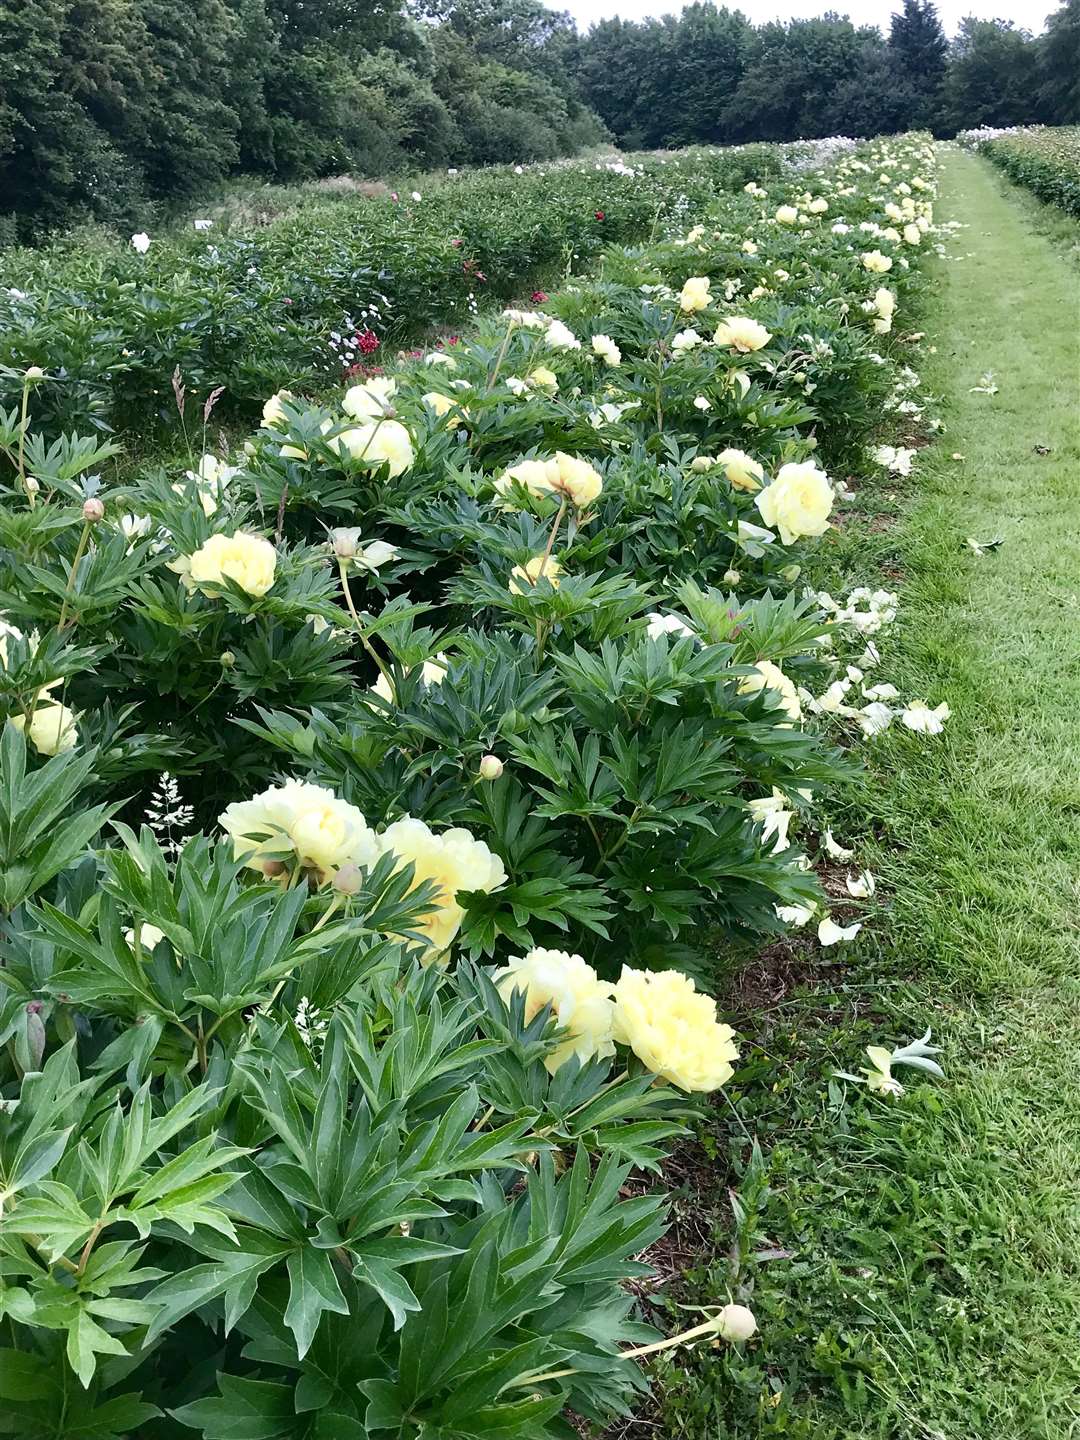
<point x="932" y="1287"/>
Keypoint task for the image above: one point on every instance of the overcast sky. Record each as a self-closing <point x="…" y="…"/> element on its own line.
<point x="1026" y="13"/>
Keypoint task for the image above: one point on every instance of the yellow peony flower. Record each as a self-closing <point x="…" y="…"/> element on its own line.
<point x="695" y="294"/>
<point x="523" y="578"/>
<point x="818" y="206"/>
<point x="912" y="235"/>
<point x="673" y="1030"/>
<point x="580" y="1002"/>
<point x="247" y="559"/>
<point x="379" y="441"/>
<point x="442" y="406"/>
<point x="798" y="501"/>
<point x="742" y="334"/>
<point x="51" y="730"/>
<point x="273" y="413"/>
<point x="370" y="400"/>
<point x="432" y="672"/>
<point x="321" y="831"/>
<point x="787" y="215"/>
<point x="771" y="677"/>
<point x="544" y="378"/>
<point x="575" y="479"/>
<point x="742" y="471"/>
<point x="453" y="861"/>
<point x="876" y="262"/>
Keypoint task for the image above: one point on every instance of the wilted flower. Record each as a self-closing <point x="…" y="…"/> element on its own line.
<point x="768" y="676"/>
<point x="454" y="861"/>
<point x="798" y="501"/>
<point x="829" y="933"/>
<point x="581" y="1004"/>
<point x="309" y="822"/>
<point x="673" y="1030"/>
<point x="919" y="717"/>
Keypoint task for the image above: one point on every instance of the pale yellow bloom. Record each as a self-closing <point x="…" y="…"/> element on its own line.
<point x="771" y="677"/>
<point x="787" y="215"/>
<point x="695" y="294"/>
<point x="798" y="502"/>
<point x="606" y="349"/>
<point x="523" y="578"/>
<point x="742" y="334"/>
<point x="742" y="471"/>
<point x="581" y="1003"/>
<point x="248" y="560"/>
<point x="443" y="405"/>
<point x="876" y="262"/>
<point x="379" y="441"/>
<point x="453" y="861"/>
<point x="673" y="1030"/>
<point x="273" y="413"/>
<point x="306" y="823"/>
<point x="544" y="378"/>
<point x="370" y="400"/>
<point x="51" y="730"/>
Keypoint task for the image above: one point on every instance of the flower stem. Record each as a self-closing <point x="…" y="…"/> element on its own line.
<point x="500" y="358"/>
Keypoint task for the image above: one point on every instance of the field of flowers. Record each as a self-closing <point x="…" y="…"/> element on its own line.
<point x="378" y="793"/>
<point x="1044" y="159"/>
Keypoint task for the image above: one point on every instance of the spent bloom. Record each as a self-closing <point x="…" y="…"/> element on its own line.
<point x="919" y="717"/>
<point x="673" y="1029"/>
<point x="580" y="1002"/>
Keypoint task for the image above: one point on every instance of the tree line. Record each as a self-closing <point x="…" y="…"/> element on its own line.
<point x="105" y="104"/>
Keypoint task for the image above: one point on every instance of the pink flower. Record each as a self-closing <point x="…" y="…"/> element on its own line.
<point x="368" y="341"/>
<point x="538" y="297"/>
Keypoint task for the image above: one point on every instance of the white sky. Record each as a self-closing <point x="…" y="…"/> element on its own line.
<point x="1028" y="14"/>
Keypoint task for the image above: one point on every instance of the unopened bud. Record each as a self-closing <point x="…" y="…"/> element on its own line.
<point x="93" y="510"/>
<point x="791" y="573"/>
<point x="33" y="374"/>
<point x="491" y="767"/>
<point x="33" y="484"/>
<point x="272" y="869"/>
<point x="735" y="1322"/>
<point x="349" y="880"/>
<point x="227" y="659"/>
<point x="345" y="542"/>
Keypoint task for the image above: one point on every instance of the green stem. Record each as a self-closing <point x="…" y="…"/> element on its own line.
<point x="500" y="358"/>
<point x="343" y="568"/>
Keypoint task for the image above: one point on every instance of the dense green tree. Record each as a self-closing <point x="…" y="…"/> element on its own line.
<point x="991" y="79"/>
<point x="1058" y="57"/>
<point x="918" y="52"/>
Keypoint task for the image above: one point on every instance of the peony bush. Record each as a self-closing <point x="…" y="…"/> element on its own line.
<point x="376" y="795"/>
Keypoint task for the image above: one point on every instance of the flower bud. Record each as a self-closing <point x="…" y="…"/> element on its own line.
<point x="32" y="484"/>
<point x="345" y="542"/>
<point x="735" y="1322"/>
<point x="93" y="510"/>
<point x="491" y="767"/>
<point x="272" y="869"/>
<point x="227" y="659"/>
<point x="732" y="577"/>
<point x="791" y="573"/>
<point x="33" y="374"/>
<point x="349" y="880"/>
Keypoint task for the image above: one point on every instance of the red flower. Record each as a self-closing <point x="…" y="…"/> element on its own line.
<point x="368" y="341"/>
<point x="538" y="297"/>
<point x="599" y="215"/>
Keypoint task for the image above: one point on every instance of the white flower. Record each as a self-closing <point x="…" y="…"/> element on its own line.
<point x="861" y="886"/>
<point x="560" y="337"/>
<point x="919" y="717"/>
<point x="874" y="718"/>
<point x="417" y="196"/>
<point x="838" y="852"/>
<point x="685" y="340"/>
<point x="606" y="349"/>
<point x="796" y="915"/>
<point x="895" y="458"/>
<point x="667" y="625"/>
<point x="203" y="224"/>
<point x="771" y="813"/>
<point x="140" y="242"/>
<point x="702" y="402"/>
<point x="829" y="933"/>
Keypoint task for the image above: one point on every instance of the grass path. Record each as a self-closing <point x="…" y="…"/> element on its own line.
<point x="933" y="1292"/>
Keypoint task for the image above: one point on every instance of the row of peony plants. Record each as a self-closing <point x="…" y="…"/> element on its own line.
<point x="495" y="696"/>
<point x="1044" y="159"/>
<point x="238" y="305"/>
